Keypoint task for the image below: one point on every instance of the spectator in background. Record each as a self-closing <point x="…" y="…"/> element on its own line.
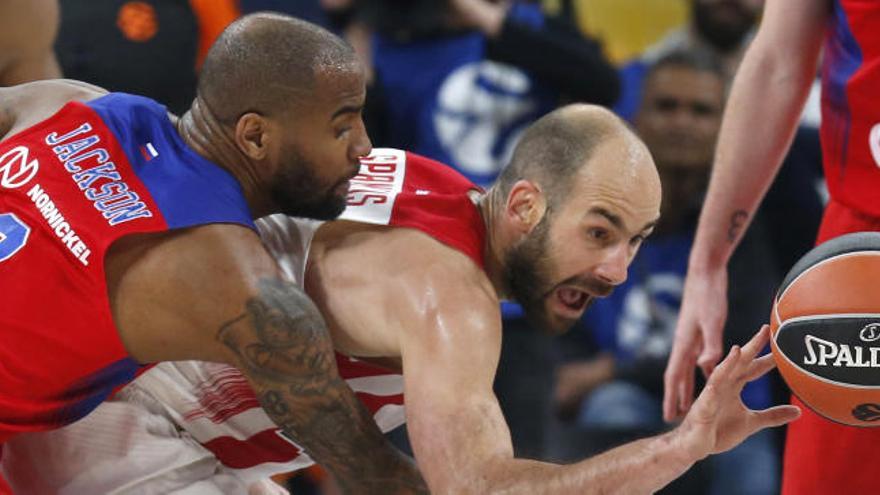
<point x="149" y="47"/>
<point x="463" y="78"/>
<point x="621" y="390"/>
<point x="27" y="31"/>
<point x="722" y="27"/>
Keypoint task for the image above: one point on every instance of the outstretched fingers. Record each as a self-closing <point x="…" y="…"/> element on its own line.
<point x="756" y="343"/>
<point x="678" y="381"/>
<point x="775" y="416"/>
<point x="728" y="368"/>
<point x="758" y="367"/>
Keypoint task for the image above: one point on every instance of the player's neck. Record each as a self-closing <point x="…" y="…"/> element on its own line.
<point x="202" y="132"/>
<point x="495" y="246"/>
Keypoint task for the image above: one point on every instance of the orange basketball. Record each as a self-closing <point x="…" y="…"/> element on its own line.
<point x="825" y="329"/>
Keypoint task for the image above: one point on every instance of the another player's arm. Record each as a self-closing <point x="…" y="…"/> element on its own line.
<point x="213" y="293"/>
<point x="450" y="346"/>
<point x="759" y="122"/>
<point x="26" y="104"/>
<point x="762" y="113"/>
<point x="27" y="37"/>
<point x="281" y="343"/>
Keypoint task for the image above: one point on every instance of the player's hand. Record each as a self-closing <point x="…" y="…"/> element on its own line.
<point x="719" y="420"/>
<point x="697" y="338"/>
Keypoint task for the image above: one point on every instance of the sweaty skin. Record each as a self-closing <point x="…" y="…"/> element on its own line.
<point x="398" y="293"/>
<point x="213" y="293"/>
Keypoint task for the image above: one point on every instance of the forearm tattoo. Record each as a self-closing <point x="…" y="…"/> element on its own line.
<point x="283" y="346"/>
<point x="737" y="220"/>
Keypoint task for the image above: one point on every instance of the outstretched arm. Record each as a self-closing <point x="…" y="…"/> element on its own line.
<point x="764" y="106"/>
<point x="450" y="351"/>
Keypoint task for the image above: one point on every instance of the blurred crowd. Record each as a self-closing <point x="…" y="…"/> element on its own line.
<point x="459" y="81"/>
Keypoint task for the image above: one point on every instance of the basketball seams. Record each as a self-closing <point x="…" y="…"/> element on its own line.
<point x="811" y="268"/>
<point x="858" y="242"/>
<point x="834" y="398"/>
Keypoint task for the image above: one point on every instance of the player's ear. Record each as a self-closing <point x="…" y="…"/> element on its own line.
<point x="252" y="135"/>
<point x="526" y="205"/>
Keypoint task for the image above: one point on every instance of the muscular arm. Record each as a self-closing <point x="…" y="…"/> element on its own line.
<point x="212" y="293"/>
<point x="450" y="348"/>
<point x="280" y="342"/>
<point x="456" y="427"/>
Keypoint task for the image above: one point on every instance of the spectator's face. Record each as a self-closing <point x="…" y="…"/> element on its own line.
<point x="724" y="23"/>
<point x="680" y="116"/>
<point x="582" y="250"/>
<point x="323" y="142"/>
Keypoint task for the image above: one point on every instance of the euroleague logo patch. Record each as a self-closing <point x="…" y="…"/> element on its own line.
<point x="844" y="349"/>
<point x="867" y="412"/>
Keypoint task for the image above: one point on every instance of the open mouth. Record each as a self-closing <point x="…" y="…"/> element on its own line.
<point x="571" y="300"/>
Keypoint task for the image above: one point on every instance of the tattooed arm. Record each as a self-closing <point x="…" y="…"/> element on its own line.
<point x="282" y="345"/>
<point x="213" y="293"/>
<point x="762" y="112"/>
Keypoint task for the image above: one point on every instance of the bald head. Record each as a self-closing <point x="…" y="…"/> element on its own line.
<point x="561" y="144"/>
<point x="266" y="63"/>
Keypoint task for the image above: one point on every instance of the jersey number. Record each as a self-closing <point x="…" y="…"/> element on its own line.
<point x="13" y="235"/>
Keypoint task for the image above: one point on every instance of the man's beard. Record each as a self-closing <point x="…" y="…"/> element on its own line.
<point x="528" y="273"/>
<point x="298" y="192"/>
<point x="725" y="36"/>
<point x="528" y="277"/>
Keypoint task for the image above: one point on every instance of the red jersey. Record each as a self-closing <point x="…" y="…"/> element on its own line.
<point x="850" y="109"/>
<point x="403" y="189"/>
<point x="70" y="186"/>
<point x="213" y="402"/>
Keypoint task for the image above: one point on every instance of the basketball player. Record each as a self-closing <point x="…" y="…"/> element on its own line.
<point x="27" y="32"/>
<point x="411" y="278"/>
<point x="766" y="100"/>
<point x="127" y="238"/>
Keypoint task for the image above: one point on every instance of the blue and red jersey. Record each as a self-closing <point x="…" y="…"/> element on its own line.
<point x="70" y="186"/>
<point x="850" y="104"/>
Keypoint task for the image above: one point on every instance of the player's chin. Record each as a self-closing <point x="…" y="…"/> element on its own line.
<point x="558" y="319"/>
<point x="340" y="190"/>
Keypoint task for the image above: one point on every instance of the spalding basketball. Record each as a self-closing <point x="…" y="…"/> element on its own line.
<point x="825" y="329"/>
